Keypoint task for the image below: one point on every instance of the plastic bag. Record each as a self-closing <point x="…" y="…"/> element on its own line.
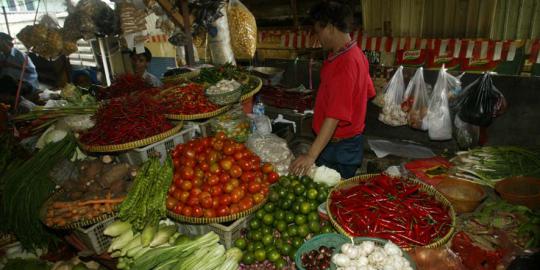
<point x="416" y="101"/>
<point x="273" y="149"/>
<point x="466" y="135"/>
<point x="234" y="123"/>
<point x="392" y="114"/>
<point x="243" y="29"/>
<point x="440" y="258"/>
<point x="261" y="124"/>
<point x="438" y="118"/>
<point x="483" y="102"/>
<point x="219" y="42"/>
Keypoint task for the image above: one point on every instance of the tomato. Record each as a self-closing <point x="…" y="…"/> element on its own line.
<point x="186" y="185"/>
<point x="216" y="191"/>
<point x="248" y="176"/>
<point x="238" y="155"/>
<point x="196" y="191"/>
<point x="204" y="194"/>
<point x="254" y="187"/>
<point x="206" y="188"/>
<point x="209" y="213"/>
<point x="197" y="211"/>
<point x="177" y="194"/>
<point x="246" y="203"/>
<point x="207" y="202"/>
<point x="222" y="210"/>
<point x="212" y="180"/>
<point x="224" y="178"/>
<point x="199" y="173"/>
<point x="204" y="167"/>
<point x="171" y="202"/>
<point x="187" y="173"/>
<point x="259" y="174"/>
<point x="235" y="171"/>
<point x="267" y="168"/>
<point x="215" y="203"/>
<point x="183" y="197"/>
<point x="220" y="136"/>
<point x="239" y="146"/>
<point x="228" y="188"/>
<point x="193" y="200"/>
<point x="177" y="163"/>
<point x="175" y="153"/>
<point x="206" y="141"/>
<point x="225" y="199"/>
<point x="244" y="164"/>
<point x="272" y="177"/>
<point x="235" y="208"/>
<point x="235" y="182"/>
<point x="255" y="162"/>
<point x="178" y="209"/>
<point x="228" y="149"/>
<point x="201" y="158"/>
<point x="237" y="194"/>
<point x="214" y="168"/>
<point x="265" y="190"/>
<point x="243" y="186"/>
<point x="189" y="162"/>
<point x="172" y="189"/>
<point x="258" y="197"/>
<point x="217" y="145"/>
<point x="189" y="153"/>
<point x="226" y="163"/>
<point x="177" y="181"/>
<point x="213" y="157"/>
<point x="187" y="211"/>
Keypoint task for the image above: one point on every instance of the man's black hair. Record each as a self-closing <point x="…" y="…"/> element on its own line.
<point x="147" y="54"/>
<point x="5" y="37"/>
<point x="337" y="13"/>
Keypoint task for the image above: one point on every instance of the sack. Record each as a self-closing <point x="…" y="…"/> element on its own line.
<point x="220" y="42"/>
<point x="243" y="29"/>
<point x="466" y="135"/>
<point x="483" y="102"/>
<point x="416" y="101"/>
<point x="392" y="114"/>
<point x="439" y="122"/>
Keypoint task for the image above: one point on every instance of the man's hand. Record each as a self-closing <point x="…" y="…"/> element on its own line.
<point x="301" y="165"/>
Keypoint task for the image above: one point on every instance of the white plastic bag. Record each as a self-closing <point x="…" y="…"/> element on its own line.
<point x="273" y="149"/>
<point x="220" y="44"/>
<point x="416" y="101"/>
<point x="438" y="117"/>
<point x="392" y="114"/>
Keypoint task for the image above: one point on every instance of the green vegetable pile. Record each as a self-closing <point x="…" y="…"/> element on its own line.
<point x="215" y="74"/>
<point x="145" y="202"/>
<point x="26" y="188"/>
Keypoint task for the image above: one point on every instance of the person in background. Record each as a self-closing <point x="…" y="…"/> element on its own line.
<point x="341" y="102"/>
<point x="12" y="61"/>
<point x="140" y="64"/>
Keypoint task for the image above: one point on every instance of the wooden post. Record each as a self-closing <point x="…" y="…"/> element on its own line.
<point x="294" y="10"/>
<point x="190" y="54"/>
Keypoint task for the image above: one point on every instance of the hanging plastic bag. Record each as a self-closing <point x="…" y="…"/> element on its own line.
<point x="466" y="135"/>
<point x="392" y="114"/>
<point x="234" y="123"/>
<point x="439" y="122"/>
<point x="482" y="103"/>
<point x="219" y="41"/>
<point x="416" y="101"/>
<point x="243" y="29"/>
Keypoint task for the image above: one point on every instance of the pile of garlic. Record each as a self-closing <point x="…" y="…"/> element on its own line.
<point x="368" y="256"/>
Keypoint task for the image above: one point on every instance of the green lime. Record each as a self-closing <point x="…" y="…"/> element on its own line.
<point x="286" y="249"/>
<point x="312" y="185"/>
<point x="260" y="255"/>
<point x="269" y="207"/>
<point x="281" y="225"/>
<point x="279" y="215"/>
<point x="268" y="219"/>
<point x="279" y="243"/>
<point x="313" y="205"/>
<point x="248" y="258"/>
<point x="269" y="249"/>
<point x="280" y="263"/>
<point x="260" y="214"/>
<point x="255" y="224"/>
<point x="258" y="245"/>
<point x="267" y="239"/>
<point x="303" y="230"/>
<point x="256" y="235"/>
<point x="266" y="230"/>
<point x="240" y="243"/>
<point x="285" y="204"/>
<point x="323" y="194"/>
<point x="295" y="182"/>
<point x="290" y="196"/>
<point x="250" y="247"/>
<point x="296" y="208"/>
<point x="327" y="229"/>
<point x="300" y="219"/>
<point x="297" y="242"/>
<point x="289" y="217"/>
<point x="306" y="180"/>
<point x="313" y="217"/>
<point x="305" y="208"/>
<point x="314" y="227"/>
<point x="285" y="235"/>
<point x="273" y="196"/>
<point x="312" y="194"/>
<point x="285" y="181"/>
<point x="300" y="200"/>
<point x="293" y="230"/>
<point x="282" y="193"/>
<point x="274" y="256"/>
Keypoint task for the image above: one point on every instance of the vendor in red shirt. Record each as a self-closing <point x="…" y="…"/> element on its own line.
<point x="344" y="90"/>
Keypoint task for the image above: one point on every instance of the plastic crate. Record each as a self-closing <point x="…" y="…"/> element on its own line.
<point x="228" y="233"/>
<point x="93" y="237"/>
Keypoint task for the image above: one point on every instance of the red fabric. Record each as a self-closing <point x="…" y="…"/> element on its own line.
<point x="344" y="92"/>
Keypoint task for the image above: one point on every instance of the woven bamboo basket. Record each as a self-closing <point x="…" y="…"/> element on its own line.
<point x="203" y="220"/>
<point x="258" y="84"/>
<point x="225" y="98"/>
<point x="134" y="144"/>
<point x="74" y="225"/>
<point x="181" y="77"/>
<point x="189" y="117"/>
<point x="423" y="187"/>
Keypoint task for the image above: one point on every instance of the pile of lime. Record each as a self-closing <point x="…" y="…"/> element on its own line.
<point x="289" y="218"/>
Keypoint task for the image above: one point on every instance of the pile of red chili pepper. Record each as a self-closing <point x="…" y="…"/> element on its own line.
<point x="126" y="119"/>
<point x="187" y="99"/>
<point x="123" y="85"/>
<point x="390" y="208"/>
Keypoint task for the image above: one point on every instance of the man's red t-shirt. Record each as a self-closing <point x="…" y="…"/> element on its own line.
<point x="344" y="91"/>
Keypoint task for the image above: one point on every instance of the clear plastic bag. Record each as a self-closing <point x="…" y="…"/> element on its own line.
<point x="441" y="258"/>
<point x="219" y="42"/>
<point x="392" y="114"/>
<point x="234" y="123"/>
<point x="243" y="28"/>
<point x="273" y="149"/>
<point x="416" y="101"/>
<point x="466" y="135"/>
<point x="482" y="102"/>
<point x="439" y="122"/>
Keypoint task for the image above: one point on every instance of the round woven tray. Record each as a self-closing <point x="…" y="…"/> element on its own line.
<point x="134" y="144"/>
<point x="74" y="225"/>
<point x="254" y="90"/>
<point x="203" y="220"/>
<point x="181" y="77"/>
<point x="423" y="187"/>
<point x="189" y="117"/>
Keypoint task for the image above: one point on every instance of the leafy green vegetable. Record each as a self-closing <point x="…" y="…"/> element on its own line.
<point x="26" y="264"/>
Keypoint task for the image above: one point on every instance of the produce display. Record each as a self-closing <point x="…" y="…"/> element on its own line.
<point x="490" y="164"/>
<point x="186" y="100"/>
<point x="223" y="86"/>
<point x="368" y="255"/>
<point x="225" y="72"/>
<point x="430" y="170"/>
<point x="234" y="123"/>
<point x="26" y="188"/>
<point x="123" y="85"/>
<point x="145" y="202"/>
<point x="278" y="229"/>
<point x="392" y="209"/>
<point x="317" y="259"/>
<point x="216" y="177"/>
<point x="62" y="213"/>
<point x="168" y="250"/>
<point x="127" y="119"/>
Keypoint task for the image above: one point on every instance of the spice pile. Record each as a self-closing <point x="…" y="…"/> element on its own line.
<point x="186" y="100"/>
<point x="389" y="208"/>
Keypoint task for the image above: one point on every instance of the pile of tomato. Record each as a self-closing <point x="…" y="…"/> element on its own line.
<point x="216" y="176"/>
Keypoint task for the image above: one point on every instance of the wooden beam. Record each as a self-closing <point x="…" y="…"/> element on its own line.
<point x="172" y="12"/>
<point x="190" y="54"/>
<point x="294" y="9"/>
